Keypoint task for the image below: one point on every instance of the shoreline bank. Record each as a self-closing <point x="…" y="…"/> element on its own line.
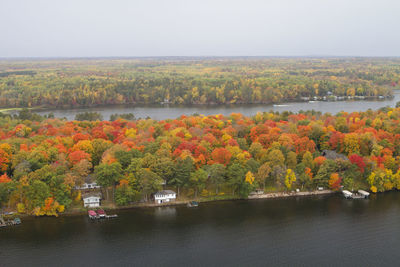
<point x="291" y="194"/>
<point x="275" y="195"/>
<point x="48" y="108"/>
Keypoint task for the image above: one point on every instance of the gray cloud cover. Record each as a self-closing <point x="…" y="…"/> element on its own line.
<point x="84" y="28"/>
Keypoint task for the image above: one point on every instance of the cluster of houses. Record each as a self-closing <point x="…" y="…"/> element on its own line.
<point x="331" y="97"/>
<point x="91" y="195"/>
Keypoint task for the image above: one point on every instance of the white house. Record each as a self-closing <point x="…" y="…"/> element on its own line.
<point x="89" y="183"/>
<point x="164" y="196"/>
<point x="91" y="200"/>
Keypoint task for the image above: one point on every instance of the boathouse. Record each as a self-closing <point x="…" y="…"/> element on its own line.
<point x="91" y="200"/>
<point x="164" y="196"/>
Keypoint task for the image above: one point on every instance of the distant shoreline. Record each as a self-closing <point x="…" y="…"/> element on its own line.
<point x="13" y="110"/>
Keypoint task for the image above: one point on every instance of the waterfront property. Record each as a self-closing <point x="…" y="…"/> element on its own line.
<point x="91" y="200"/>
<point x="164" y="196"/>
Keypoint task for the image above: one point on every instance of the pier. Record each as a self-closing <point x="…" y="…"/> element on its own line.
<point x="100" y="214"/>
<point x="11" y="222"/>
<point x="360" y="194"/>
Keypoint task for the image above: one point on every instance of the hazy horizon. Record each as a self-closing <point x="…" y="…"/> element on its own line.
<point x="177" y="28"/>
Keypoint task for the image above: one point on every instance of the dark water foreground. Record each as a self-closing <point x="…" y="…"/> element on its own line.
<point x="307" y="231"/>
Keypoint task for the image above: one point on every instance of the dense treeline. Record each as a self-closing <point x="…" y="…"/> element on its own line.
<point x="42" y="160"/>
<point x="76" y="83"/>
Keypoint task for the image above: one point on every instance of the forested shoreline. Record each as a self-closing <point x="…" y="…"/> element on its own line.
<point x="43" y="159"/>
<point x="93" y="82"/>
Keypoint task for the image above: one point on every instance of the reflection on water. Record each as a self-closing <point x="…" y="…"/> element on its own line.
<point x="165" y="212"/>
<point x="310" y="231"/>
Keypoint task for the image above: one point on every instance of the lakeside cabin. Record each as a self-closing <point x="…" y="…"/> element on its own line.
<point x="91" y="200"/>
<point x="89" y="183"/>
<point x="164" y="196"/>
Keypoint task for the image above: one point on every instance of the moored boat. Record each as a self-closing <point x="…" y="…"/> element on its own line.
<point x="92" y="214"/>
<point x="101" y="213"/>
<point x="360" y="194"/>
<point x="4" y="223"/>
<point x="363" y="193"/>
<point x="192" y="204"/>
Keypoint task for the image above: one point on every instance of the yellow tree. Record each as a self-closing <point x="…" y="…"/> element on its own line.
<point x="249" y="177"/>
<point x="334" y="181"/>
<point x="290" y="178"/>
<point x="351" y="144"/>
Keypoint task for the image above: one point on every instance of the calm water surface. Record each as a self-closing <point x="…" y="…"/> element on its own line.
<point x="308" y="231"/>
<point x="160" y="112"/>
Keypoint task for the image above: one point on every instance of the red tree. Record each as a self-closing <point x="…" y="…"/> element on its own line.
<point x="357" y="160"/>
<point x="221" y="155"/>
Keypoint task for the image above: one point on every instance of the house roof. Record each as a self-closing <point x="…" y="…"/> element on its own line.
<point x="89" y="179"/>
<point x="165" y="192"/>
<point x="331" y="154"/>
<point x="91" y="194"/>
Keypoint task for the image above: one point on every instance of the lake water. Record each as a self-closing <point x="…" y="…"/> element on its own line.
<point x="161" y="112"/>
<point x="306" y="231"/>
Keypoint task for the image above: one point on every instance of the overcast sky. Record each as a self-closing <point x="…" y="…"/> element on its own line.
<point x="85" y="28"/>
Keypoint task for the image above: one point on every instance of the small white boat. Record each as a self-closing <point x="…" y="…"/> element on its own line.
<point x="363" y="193"/>
<point x="192" y="204"/>
<point x="347" y="194"/>
<point x="360" y="194"/>
<point x="281" y="105"/>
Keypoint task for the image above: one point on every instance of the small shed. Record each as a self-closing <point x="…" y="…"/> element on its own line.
<point x="164" y="196"/>
<point x="91" y="200"/>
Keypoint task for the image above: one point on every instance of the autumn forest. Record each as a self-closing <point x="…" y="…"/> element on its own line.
<point x="43" y="159"/>
<point x="83" y="83"/>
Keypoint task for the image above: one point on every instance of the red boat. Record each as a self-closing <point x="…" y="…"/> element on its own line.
<point x="92" y="214"/>
<point x="101" y="213"/>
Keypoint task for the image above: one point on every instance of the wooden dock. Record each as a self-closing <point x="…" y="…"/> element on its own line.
<point x="100" y="214"/>
<point x="4" y="223"/>
<point x="360" y="194"/>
